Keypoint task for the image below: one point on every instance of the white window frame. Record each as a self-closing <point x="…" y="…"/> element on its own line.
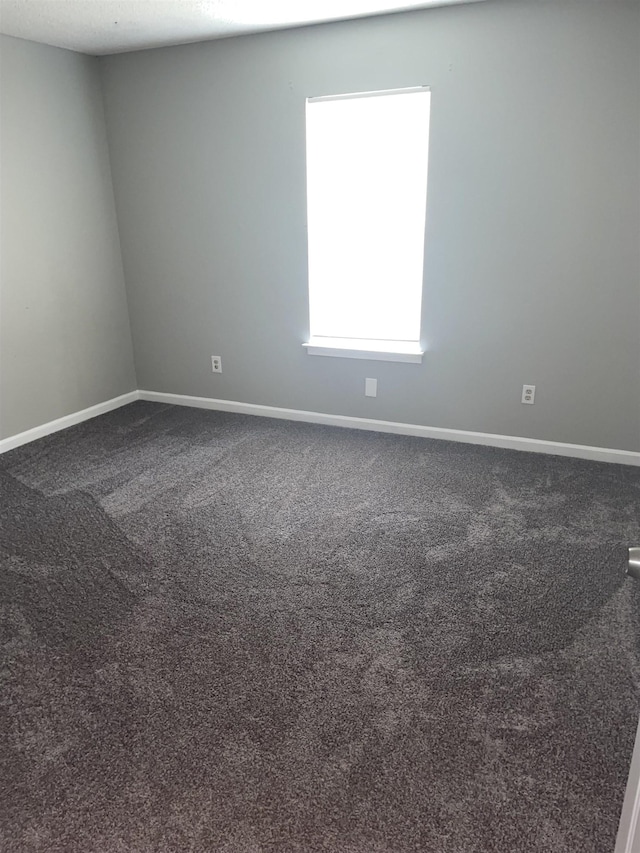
<point x="360" y="348"/>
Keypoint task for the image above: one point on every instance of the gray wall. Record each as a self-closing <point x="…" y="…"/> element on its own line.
<point x="532" y="268"/>
<point x="65" y="342"/>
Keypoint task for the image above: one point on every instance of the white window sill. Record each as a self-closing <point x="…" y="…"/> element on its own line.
<point x="407" y="351"/>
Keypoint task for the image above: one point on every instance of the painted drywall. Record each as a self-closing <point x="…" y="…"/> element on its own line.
<point x="65" y="340"/>
<point x="532" y="268"/>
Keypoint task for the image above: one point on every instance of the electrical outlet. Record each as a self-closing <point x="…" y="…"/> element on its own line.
<point x="216" y="364"/>
<point x="370" y="387"/>
<point x="529" y="394"/>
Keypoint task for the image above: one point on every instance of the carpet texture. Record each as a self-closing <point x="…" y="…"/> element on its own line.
<point x="232" y="634"/>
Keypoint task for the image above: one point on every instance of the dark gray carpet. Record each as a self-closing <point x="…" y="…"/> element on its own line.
<point x="224" y="633"/>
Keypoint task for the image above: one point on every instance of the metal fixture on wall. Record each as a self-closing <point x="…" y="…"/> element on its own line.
<point x="633" y="566"/>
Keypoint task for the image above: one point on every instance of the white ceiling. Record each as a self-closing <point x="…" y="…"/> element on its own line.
<point x="114" y="26"/>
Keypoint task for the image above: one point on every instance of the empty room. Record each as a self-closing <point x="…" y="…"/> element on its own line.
<point x="320" y="426"/>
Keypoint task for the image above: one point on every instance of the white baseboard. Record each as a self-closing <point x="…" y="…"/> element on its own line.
<point x="512" y="442"/>
<point x="67" y="421"/>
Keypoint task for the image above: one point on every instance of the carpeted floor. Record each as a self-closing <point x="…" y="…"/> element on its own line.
<point x="226" y="634"/>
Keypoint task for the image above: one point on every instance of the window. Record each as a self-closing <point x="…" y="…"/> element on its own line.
<point x="366" y="205"/>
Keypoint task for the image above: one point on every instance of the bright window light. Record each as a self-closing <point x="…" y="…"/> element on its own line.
<point x="367" y="161"/>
